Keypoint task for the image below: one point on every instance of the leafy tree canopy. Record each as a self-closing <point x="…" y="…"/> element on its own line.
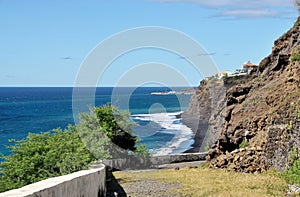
<point x="60" y="152"/>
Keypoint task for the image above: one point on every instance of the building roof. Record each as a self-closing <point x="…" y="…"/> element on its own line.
<point x="249" y="64"/>
<point x="223" y="73"/>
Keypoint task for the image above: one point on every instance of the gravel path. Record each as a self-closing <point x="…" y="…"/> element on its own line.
<point x="145" y="187"/>
<point x="139" y="188"/>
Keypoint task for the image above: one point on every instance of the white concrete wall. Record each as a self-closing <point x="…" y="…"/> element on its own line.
<point x="85" y="183"/>
<point x="91" y="183"/>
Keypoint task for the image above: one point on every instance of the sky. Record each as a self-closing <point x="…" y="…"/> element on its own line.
<point x="49" y="42"/>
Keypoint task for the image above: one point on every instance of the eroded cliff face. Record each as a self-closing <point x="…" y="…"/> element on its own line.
<point x="207" y="102"/>
<point x="261" y="110"/>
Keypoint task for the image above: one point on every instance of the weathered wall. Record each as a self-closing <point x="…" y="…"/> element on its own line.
<point x="185" y="157"/>
<point x="121" y="164"/>
<point x="87" y="183"/>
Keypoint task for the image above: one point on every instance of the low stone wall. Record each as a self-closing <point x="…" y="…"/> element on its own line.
<point x="87" y="183"/>
<point x="141" y="163"/>
<point x="184" y="157"/>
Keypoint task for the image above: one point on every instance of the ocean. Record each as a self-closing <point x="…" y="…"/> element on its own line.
<point x="39" y="109"/>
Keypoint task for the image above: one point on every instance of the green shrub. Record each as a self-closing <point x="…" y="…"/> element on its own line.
<point x="290" y="125"/>
<point x="58" y="152"/>
<point x="117" y="126"/>
<point x="43" y="155"/>
<point x="293" y="156"/>
<point x="292" y="173"/>
<point x="296" y="56"/>
<point x="244" y="144"/>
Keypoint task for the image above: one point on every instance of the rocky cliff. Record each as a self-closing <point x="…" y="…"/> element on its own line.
<point x="254" y="120"/>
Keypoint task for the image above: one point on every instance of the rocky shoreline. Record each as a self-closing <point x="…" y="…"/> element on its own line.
<point x="199" y="128"/>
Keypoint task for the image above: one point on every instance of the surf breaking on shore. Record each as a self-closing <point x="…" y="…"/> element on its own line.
<point x="155" y="124"/>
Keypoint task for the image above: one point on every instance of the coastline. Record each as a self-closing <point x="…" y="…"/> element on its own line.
<point x="164" y="124"/>
<point x="199" y="129"/>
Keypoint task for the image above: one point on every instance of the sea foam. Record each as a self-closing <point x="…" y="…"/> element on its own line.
<point x="165" y="123"/>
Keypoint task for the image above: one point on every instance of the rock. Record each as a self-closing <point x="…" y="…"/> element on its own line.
<point x="258" y="148"/>
<point x="251" y="169"/>
<point x="228" y="113"/>
<point x="294" y="189"/>
<point x="255" y="107"/>
<point x="264" y="63"/>
<point x="236" y="158"/>
<point x="231" y="101"/>
<point x="283" y="60"/>
<point x="240" y="99"/>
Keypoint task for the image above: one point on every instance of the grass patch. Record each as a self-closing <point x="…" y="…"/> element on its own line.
<point x="212" y="182"/>
<point x="292" y="173"/>
<point x="296" y="56"/>
<point x="244" y="144"/>
<point x="289" y="127"/>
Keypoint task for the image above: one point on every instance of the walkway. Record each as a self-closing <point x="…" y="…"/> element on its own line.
<point x="147" y="188"/>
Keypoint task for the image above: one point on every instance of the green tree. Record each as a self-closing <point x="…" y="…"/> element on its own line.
<point x="117" y="127"/>
<point x="107" y="132"/>
<point x="93" y="136"/>
<point x="43" y="155"/>
<point x="60" y="152"/>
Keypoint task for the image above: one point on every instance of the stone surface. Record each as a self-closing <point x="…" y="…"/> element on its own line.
<point x="260" y="108"/>
<point x="155" y="161"/>
<point x="247" y="160"/>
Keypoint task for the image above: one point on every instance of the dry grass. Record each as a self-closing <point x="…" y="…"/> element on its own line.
<point x="210" y="182"/>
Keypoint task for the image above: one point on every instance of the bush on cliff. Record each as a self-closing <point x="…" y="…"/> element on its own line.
<point x="60" y="152"/>
<point x="296" y="56"/>
<point x="292" y="173"/>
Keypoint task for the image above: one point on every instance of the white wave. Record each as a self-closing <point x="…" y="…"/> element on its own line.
<point x="170" y="123"/>
<point x="182" y="141"/>
<point x="164" y="119"/>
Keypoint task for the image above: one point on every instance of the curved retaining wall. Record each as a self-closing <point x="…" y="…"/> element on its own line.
<point x="92" y="182"/>
<point x="87" y="183"/>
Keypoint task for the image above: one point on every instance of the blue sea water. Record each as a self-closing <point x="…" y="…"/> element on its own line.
<point x="39" y="109"/>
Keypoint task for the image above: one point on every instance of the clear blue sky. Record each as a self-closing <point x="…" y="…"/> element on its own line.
<point x="44" y="42"/>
